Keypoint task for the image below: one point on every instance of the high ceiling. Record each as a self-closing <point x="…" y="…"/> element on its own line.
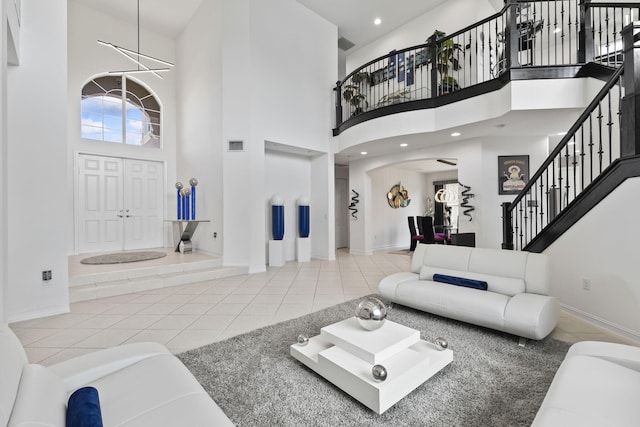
<point x="354" y="18"/>
<point x="167" y="17"/>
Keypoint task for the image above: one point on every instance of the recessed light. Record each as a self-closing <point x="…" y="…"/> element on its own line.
<point x="377" y="21"/>
<point x="557" y="30"/>
<point x="561" y="133"/>
<point x="455" y="134"/>
<point x="404" y="144"/>
<point x="364" y="153"/>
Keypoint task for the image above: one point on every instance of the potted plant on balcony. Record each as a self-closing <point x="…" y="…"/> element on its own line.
<point x="447" y="54"/>
<point x="353" y="92"/>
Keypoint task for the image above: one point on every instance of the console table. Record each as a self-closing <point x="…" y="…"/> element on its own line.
<point x="183" y="230"/>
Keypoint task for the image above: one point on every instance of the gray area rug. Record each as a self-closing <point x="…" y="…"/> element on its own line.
<point x="491" y="382"/>
<point x="122" y="257"/>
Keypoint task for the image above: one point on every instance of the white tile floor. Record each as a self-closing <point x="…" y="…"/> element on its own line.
<point x="190" y="316"/>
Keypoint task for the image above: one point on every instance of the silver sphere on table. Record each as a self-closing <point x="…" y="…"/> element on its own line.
<point x="379" y="373"/>
<point x="371" y="313"/>
<point x="303" y="340"/>
<point x="441" y="343"/>
<point x="179" y="185"/>
<point x="193" y="182"/>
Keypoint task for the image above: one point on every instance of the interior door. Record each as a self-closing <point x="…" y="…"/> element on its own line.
<point x="142" y="204"/>
<point x="119" y="204"/>
<point x="100" y="221"/>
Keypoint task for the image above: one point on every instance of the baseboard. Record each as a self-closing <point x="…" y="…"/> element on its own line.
<point x="608" y="326"/>
<point x="39" y="314"/>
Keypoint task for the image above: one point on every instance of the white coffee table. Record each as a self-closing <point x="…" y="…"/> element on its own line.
<point x="344" y="354"/>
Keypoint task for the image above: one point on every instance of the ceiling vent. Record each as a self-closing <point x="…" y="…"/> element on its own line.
<point x="345" y="44"/>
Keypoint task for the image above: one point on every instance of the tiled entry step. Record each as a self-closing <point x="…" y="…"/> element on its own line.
<point x="119" y="282"/>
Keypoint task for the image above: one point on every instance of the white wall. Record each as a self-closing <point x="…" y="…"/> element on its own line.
<point x="87" y="59"/>
<point x="602" y="247"/>
<point x="451" y="16"/>
<point x="289" y="176"/>
<point x="36" y="174"/>
<point x="279" y="62"/>
<point x="199" y="98"/>
<point x="3" y="160"/>
<point x="390" y="228"/>
<point x="247" y="65"/>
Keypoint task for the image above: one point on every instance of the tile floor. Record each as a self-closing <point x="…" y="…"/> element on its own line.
<point x="190" y="316"/>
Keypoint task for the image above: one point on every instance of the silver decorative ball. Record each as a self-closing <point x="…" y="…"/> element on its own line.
<point x="303" y="340"/>
<point x="193" y="182"/>
<point x="179" y="185"/>
<point x="379" y="373"/>
<point x="441" y="343"/>
<point x="371" y="313"/>
<point x="187" y="191"/>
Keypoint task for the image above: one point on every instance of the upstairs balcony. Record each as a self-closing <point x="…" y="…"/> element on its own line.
<point x="526" y="40"/>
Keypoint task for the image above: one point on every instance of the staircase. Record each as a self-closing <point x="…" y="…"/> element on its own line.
<point x="598" y="153"/>
<point x="126" y="280"/>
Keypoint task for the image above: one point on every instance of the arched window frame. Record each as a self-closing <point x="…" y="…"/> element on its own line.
<point x="118" y="109"/>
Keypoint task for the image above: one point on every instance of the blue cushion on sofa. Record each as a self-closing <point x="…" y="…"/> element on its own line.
<point x="460" y="281"/>
<point x="83" y="409"/>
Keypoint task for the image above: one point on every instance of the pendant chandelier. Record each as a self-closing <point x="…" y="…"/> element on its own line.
<point x="158" y="66"/>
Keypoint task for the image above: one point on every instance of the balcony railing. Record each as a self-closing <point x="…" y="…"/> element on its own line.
<point x="551" y="37"/>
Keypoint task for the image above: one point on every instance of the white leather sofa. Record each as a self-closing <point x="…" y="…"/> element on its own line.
<point x="517" y="300"/>
<point x="597" y="385"/>
<point x="138" y="384"/>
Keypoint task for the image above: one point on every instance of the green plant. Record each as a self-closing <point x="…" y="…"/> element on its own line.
<point x="447" y="54"/>
<point x="353" y="92"/>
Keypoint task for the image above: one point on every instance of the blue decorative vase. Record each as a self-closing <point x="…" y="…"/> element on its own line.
<point x="277" y="217"/>
<point x="303" y="221"/>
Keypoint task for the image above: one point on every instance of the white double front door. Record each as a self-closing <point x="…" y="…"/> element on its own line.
<point x="119" y="204"/>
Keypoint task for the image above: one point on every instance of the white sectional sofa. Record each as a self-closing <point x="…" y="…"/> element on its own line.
<point x="138" y="384"/>
<point x="516" y="301"/>
<point x="597" y="385"/>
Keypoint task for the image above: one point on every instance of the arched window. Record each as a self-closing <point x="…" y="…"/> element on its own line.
<point x="117" y="109"/>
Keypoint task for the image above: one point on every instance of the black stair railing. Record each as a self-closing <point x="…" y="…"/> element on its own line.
<point x="588" y="148"/>
<point x="606" y="133"/>
<point x="524" y="35"/>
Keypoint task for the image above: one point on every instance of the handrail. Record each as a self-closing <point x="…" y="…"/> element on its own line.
<point x="569" y="172"/>
<point x="570" y="133"/>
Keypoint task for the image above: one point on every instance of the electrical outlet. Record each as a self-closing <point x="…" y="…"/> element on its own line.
<point x="215" y="234"/>
<point x="586" y="284"/>
<point x="46" y="275"/>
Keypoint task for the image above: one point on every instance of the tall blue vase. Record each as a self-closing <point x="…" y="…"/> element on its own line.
<point x="277" y="219"/>
<point x="303" y="220"/>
